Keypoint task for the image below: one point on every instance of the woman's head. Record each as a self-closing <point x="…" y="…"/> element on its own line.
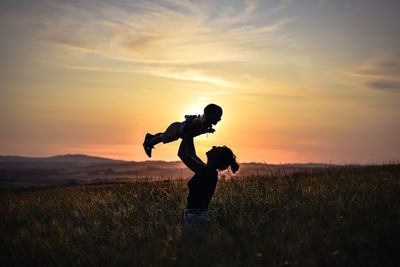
<point x="221" y="157"/>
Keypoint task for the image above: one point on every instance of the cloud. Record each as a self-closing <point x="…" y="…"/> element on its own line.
<point x="385" y="85"/>
<point x="386" y="65"/>
<point x="187" y="75"/>
<point x="174" y="39"/>
<point x="282" y="4"/>
<point x="74" y="45"/>
<point x="232" y="14"/>
<point x="160" y="32"/>
<point x="382" y="72"/>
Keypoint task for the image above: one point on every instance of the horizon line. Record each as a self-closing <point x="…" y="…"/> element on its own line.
<point x="174" y="161"/>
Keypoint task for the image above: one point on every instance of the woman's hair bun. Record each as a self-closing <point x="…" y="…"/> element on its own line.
<point x="227" y="158"/>
<point x="234" y="166"/>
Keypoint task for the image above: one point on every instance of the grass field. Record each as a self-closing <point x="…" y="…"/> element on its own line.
<point x="347" y="216"/>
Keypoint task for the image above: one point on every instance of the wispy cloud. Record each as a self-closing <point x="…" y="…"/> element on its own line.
<point x="154" y="32"/>
<point x="166" y="38"/>
<point x="384" y="65"/>
<point x="163" y="38"/>
<point x="282" y="5"/>
<point x="187" y="75"/>
<point x="231" y="15"/>
<point x="381" y="72"/>
<point x="386" y="85"/>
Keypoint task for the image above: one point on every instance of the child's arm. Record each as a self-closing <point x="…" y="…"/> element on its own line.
<point x="210" y="130"/>
<point x="205" y="129"/>
<point x="198" y="128"/>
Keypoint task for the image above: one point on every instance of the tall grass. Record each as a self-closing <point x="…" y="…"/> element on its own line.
<point x="347" y="216"/>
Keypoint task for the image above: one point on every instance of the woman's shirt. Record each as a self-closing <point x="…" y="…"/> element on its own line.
<point x="201" y="188"/>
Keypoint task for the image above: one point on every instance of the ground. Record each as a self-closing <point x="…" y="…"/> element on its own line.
<point x="342" y="216"/>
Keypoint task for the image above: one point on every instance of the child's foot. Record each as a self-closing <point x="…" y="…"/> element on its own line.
<point x="147" y="149"/>
<point x="146" y="145"/>
<point x="147" y="138"/>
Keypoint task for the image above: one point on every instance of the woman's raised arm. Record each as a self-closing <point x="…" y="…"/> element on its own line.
<point x="187" y="154"/>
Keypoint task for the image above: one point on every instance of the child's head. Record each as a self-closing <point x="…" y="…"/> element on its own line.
<point x="213" y="113"/>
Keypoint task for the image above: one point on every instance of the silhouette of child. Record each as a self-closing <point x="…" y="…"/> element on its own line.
<point x="193" y="125"/>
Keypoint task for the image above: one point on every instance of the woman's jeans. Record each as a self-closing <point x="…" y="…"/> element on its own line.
<point x="197" y="219"/>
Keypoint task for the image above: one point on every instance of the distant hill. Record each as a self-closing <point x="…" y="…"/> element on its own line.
<point x="83" y="158"/>
<point x="77" y="168"/>
<point x="86" y="159"/>
<point x="68" y="158"/>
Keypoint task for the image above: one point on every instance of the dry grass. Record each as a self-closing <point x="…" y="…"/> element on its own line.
<point x="334" y="217"/>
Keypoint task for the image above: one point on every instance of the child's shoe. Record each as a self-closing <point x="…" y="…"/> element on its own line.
<point x="147" y="138"/>
<point x="147" y="147"/>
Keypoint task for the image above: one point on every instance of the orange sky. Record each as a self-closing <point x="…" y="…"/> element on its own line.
<point x="298" y="81"/>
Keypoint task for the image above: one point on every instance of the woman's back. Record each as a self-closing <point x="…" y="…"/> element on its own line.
<point x="201" y="188"/>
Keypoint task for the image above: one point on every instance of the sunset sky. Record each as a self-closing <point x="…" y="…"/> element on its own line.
<point x="298" y="80"/>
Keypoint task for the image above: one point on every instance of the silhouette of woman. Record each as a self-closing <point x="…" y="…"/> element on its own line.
<point x="202" y="184"/>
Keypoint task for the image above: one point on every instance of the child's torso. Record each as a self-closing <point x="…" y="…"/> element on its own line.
<point x="194" y="125"/>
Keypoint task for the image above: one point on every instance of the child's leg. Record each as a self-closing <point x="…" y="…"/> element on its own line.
<point x="156" y="139"/>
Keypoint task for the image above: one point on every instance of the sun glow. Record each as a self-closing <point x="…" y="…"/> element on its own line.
<point x="79" y="77"/>
<point x="195" y="108"/>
